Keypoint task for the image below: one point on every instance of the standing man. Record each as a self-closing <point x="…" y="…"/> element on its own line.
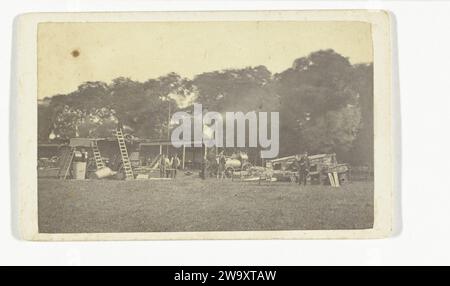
<point x="175" y="164"/>
<point x="162" y="169"/>
<point x="303" y="165"/>
<point x="203" y="163"/>
<point x="221" y="166"/>
<point x="167" y="166"/>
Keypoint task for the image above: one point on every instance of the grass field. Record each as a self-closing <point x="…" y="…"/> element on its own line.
<point x="190" y="204"/>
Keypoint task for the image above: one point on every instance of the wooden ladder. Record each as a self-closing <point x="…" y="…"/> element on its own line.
<point x="67" y="158"/>
<point x="124" y="154"/>
<point x="97" y="156"/>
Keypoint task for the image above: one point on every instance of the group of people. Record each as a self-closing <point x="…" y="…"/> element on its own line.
<point x="168" y="166"/>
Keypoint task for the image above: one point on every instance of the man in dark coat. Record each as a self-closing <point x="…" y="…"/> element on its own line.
<point x="175" y="165"/>
<point x="221" y="166"/>
<point x="162" y="166"/>
<point x="303" y="165"/>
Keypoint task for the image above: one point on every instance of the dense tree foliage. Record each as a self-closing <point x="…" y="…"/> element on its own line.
<point x="325" y="104"/>
<point x="319" y="105"/>
<point x="95" y="108"/>
<point x="243" y="90"/>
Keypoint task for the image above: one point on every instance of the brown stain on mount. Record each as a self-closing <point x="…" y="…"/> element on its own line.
<point x="75" y="53"/>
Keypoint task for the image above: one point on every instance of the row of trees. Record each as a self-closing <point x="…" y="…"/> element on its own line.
<point x="325" y="104"/>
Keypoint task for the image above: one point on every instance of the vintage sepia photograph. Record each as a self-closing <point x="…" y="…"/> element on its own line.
<point x="208" y="125"/>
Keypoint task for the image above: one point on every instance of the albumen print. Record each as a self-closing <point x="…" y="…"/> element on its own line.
<point x="212" y="125"/>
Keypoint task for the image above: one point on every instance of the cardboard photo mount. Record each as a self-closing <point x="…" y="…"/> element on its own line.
<point x="24" y="126"/>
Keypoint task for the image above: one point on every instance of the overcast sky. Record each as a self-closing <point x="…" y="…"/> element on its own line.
<point x="148" y="50"/>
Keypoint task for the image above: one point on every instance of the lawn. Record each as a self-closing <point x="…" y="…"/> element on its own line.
<point x="190" y="204"/>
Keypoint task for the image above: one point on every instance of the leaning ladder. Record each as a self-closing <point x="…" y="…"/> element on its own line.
<point x="97" y="156"/>
<point x="124" y="154"/>
<point x="66" y="162"/>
